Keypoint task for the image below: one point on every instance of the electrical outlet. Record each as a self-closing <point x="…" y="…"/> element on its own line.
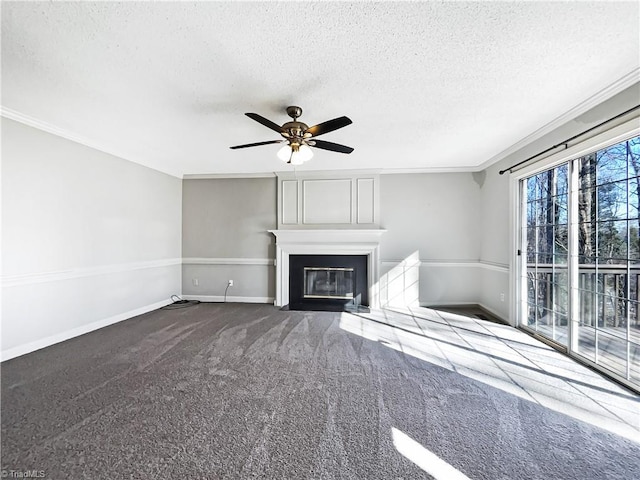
<point x="230" y="283"/>
<point x="502" y="297"/>
<point x="195" y="282"/>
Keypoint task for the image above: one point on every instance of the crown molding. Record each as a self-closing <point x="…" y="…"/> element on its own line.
<point x="320" y="173"/>
<point x="406" y="171"/>
<point x="603" y="95"/>
<point x="60" y="132"/>
<point x="220" y="176"/>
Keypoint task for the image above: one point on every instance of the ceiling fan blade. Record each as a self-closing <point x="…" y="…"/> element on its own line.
<point x="257" y="144"/>
<point x="334" y="147"/>
<point x="264" y="121"/>
<point x="328" y="126"/>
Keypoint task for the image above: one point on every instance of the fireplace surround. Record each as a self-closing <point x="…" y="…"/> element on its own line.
<point x="328" y="282"/>
<point x="357" y="242"/>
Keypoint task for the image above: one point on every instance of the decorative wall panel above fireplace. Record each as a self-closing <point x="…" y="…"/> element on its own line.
<point x="327" y="200"/>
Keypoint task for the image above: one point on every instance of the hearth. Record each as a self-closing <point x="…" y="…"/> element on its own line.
<point x="328" y="282"/>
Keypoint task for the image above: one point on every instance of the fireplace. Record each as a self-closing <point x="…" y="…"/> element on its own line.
<point x="328" y="282"/>
<point x="329" y="243"/>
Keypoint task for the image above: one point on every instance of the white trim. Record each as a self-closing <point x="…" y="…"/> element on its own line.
<point x="498" y="267"/>
<point x="452" y="169"/>
<point x="59" y="275"/>
<point x="289" y="175"/>
<point x="222" y="176"/>
<point x="517" y="290"/>
<point x="230" y="299"/>
<point x="329" y="174"/>
<point x="59" y="132"/>
<point x="227" y="261"/>
<point x="81" y="330"/>
<point x="603" y="95"/>
<point x="322" y="237"/>
<point x="402" y="263"/>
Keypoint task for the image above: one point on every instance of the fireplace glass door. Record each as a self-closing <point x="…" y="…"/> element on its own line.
<point x="328" y="283"/>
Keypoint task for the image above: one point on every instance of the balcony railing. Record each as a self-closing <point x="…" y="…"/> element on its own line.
<point x="608" y="316"/>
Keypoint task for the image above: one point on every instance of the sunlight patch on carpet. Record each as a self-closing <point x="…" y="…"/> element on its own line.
<point x="423" y="458"/>
<point x="529" y="370"/>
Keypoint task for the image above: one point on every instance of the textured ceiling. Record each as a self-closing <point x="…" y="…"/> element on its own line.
<point x="428" y="85"/>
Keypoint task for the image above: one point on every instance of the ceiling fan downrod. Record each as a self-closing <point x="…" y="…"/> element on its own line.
<point x="294" y="112"/>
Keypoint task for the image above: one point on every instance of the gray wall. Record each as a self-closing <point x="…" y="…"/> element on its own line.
<point x="437" y="216"/>
<point x="87" y="238"/>
<point x="432" y="216"/>
<point x="497" y="203"/>
<point x="225" y="223"/>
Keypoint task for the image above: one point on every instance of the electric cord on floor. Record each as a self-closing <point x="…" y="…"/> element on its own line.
<point x="179" y="303"/>
<point x="225" y="293"/>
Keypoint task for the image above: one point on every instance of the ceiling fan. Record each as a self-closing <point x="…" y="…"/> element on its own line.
<point x="299" y="137"/>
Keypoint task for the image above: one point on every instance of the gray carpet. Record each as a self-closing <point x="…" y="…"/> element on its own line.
<point x="249" y="391"/>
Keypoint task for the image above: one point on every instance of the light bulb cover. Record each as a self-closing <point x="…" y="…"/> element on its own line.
<point x="295" y="154"/>
<point x="284" y="153"/>
<point x="305" y="153"/>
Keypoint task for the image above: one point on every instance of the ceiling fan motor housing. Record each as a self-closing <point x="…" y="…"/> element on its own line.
<point x="294" y="130"/>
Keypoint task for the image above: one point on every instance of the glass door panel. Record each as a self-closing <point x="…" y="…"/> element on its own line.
<point x="546" y="252"/>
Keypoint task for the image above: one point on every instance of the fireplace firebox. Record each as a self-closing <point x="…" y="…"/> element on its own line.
<point x="328" y="282"/>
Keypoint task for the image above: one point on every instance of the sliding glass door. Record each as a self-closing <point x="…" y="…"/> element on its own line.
<point x="581" y="257"/>
<point x="546" y="253"/>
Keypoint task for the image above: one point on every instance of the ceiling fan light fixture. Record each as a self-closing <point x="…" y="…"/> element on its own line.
<point x="295" y="154"/>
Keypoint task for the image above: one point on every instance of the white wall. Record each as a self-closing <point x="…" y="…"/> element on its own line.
<point x="433" y="217"/>
<point x="225" y="223"/>
<point x="87" y="239"/>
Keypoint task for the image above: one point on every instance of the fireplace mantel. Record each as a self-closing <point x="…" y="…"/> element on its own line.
<point x="326" y="242"/>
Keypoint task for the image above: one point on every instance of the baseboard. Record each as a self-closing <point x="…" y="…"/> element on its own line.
<point x="229" y="299"/>
<point x="75" y="332"/>
<point x="494" y="313"/>
<point x="480" y="306"/>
